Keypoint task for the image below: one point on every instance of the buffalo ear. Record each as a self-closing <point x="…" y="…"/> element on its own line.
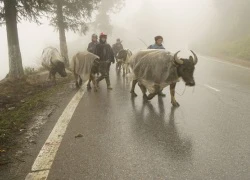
<point x="191" y="58"/>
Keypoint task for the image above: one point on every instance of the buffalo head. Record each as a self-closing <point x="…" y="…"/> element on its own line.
<point x="59" y="67"/>
<point x="186" y="67"/>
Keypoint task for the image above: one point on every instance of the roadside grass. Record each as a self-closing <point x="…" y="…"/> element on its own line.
<point x="239" y="49"/>
<point x="19" y="102"/>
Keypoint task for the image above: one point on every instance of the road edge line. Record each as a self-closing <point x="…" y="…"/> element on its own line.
<point x="43" y="162"/>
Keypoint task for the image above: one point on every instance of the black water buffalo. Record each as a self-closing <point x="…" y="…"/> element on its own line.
<point x="156" y="69"/>
<point x="85" y="66"/>
<point x="53" y="62"/>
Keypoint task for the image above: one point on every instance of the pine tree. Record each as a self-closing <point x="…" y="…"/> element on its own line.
<point x="103" y="17"/>
<point x="70" y="15"/>
<point x="11" y="12"/>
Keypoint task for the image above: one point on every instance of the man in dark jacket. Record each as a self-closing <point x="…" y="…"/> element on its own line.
<point x="117" y="47"/>
<point x="105" y="52"/>
<point x="92" y="44"/>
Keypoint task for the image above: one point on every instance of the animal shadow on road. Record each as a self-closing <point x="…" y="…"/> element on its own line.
<point x="161" y="130"/>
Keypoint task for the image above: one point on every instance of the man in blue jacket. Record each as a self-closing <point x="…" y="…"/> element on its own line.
<point x="158" y="45"/>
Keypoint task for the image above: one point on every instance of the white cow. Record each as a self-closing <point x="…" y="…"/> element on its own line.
<point x="85" y="65"/>
<point x="53" y="62"/>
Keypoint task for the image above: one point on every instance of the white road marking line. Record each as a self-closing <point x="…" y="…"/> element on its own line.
<point x="46" y="156"/>
<point x="38" y="175"/>
<point x="227" y="63"/>
<point x="210" y="87"/>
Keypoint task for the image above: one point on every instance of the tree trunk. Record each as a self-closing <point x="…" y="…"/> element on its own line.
<point x="62" y="36"/>
<point x="15" y="58"/>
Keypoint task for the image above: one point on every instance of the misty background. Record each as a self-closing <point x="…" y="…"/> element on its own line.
<point x="206" y="25"/>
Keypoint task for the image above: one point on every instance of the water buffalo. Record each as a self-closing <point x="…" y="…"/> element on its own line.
<point x="85" y="66"/>
<point x="156" y="69"/>
<point x="123" y="57"/>
<point x="53" y="62"/>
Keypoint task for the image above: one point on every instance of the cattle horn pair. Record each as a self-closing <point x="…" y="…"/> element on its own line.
<point x="179" y="61"/>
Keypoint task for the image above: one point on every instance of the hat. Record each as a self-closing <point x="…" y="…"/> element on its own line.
<point x="103" y="35"/>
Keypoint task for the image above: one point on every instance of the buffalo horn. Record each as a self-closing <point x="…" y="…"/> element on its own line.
<point x="195" y="57"/>
<point x="176" y="59"/>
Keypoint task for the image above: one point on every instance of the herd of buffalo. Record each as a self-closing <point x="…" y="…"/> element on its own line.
<point x="152" y="70"/>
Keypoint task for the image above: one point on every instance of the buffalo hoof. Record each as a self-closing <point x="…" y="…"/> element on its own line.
<point x="175" y="104"/>
<point x="133" y="94"/>
<point x="95" y="89"/>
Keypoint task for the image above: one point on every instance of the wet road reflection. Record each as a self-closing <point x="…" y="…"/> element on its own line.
<point x="127" y="138"/>
<point x="162" y="130"/>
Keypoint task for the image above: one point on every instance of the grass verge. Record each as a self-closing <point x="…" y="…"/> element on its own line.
<point x="19" y="102"/>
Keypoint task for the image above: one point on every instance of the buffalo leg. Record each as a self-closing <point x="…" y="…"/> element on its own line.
<point x="49" y="77"/>
<point x="76" y="80"/>
<point x="80" y="81"/>
<point x="157" y="90"/>
<point x="124" y="68"/>
<point x="93" y="79"/>
<point x="117" y="65"/>
<point x="127" y="69"/>
<point x="144" y="90"/>
<point x="172" y="93"/>
<point x="89" y="85"/>
<point x="54" y="78"/>
<point x="132" y="91"/>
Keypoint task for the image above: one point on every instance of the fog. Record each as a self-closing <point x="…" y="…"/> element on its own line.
<point x="180" y="22"/>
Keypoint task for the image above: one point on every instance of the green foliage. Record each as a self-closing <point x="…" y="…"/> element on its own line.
<point x="30" y="10"/>
<point x="229" y="34"/>
<point x="75" y="14"/>
<point x="239" y="49"/>
<point x="232" y="19"/>
<point x="11" y="121"/>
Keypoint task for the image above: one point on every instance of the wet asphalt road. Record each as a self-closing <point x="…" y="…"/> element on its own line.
<point x="207" y="137"/>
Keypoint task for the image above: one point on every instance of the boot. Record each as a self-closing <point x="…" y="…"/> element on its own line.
<point x="108" y="83"/>
<point x="109" y="87"/>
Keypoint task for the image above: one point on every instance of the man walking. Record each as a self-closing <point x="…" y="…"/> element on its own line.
<point x="105" y="52"/>
<point x="92" y="44"/>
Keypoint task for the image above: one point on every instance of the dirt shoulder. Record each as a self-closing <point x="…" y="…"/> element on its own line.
<point x="25" y="107"/>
